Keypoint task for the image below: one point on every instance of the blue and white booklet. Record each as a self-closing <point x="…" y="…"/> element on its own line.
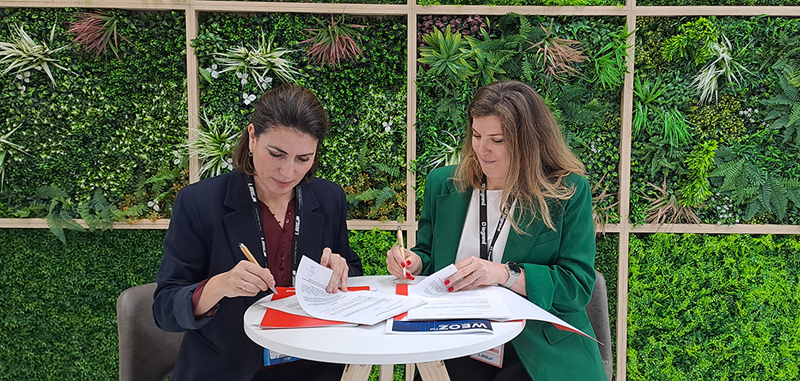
<point x="439" y="326"/>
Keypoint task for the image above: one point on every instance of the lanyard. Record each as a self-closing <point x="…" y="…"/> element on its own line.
<point x="487" y="250"/>
<point x="260" y="224"/>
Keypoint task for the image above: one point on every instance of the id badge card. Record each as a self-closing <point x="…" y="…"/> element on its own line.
<point x="493" y="356"/>
<point x="274" y="358"/>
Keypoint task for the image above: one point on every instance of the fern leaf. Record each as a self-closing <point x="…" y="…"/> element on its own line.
<point x="83" y="211"/>
<point x="54" y="223"/>
<point x="765" y="196"/>
<point x="47" y="192"/>
<point x="68" y="222"/>
<point x="788" y="90"/>
<point x="753" y="208"/>
<point x="779" y="197"/>
<point x="794" y="195"/>
<point x="386" y="193"/>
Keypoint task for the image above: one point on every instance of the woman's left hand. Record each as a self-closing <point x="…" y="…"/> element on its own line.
<point x="473" y="272"/>
<point x="340" y="269"/>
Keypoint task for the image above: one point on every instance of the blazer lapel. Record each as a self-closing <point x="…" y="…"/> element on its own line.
<point x="451" y="212"/>
<point x="240" y="224"/>
<point x="518" y="245"/>
<point x="311" y="224"/>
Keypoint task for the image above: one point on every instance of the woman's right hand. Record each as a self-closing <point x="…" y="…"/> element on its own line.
<point x="244" y="279"/>
<point x="395" y="262"/>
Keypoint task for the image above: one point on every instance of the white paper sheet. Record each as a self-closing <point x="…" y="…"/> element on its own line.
<point x="440" y="304"/>
<point x="362" y="307"/>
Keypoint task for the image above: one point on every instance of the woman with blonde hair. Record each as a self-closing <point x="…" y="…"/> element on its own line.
<point x="516" y="212"/>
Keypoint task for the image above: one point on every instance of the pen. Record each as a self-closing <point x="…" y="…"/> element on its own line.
<point x="250" y="257"/>
<point x="402" y="252"/>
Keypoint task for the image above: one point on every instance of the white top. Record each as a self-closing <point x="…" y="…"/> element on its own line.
<point x="470" y="244"/>
<point x="371" y="344"/>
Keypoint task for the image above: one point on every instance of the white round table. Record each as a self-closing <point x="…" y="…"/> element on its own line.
<point x="370" y="345"/>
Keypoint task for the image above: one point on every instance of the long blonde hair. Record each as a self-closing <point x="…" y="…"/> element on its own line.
<point x="540" y="158"/>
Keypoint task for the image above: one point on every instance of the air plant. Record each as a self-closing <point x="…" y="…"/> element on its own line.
<point x="557" y="55"/>
<point x="449" y="154"/>
<point x="214" y="146"/>
<point x="23" y="53"/>
<point x="258" y="62"/>
<point x="705" y="81"/>
<point x="333" y="43"/>
<point x="94" y="30"/>
<point x="601" y="213"/>
<point x="666" y="208"/>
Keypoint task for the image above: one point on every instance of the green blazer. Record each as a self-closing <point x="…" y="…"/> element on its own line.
<point x="559" y="272"/>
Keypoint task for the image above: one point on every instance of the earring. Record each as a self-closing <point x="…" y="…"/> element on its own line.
<point x="250" y="153"/>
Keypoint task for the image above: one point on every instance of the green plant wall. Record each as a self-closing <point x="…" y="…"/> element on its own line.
<point x="107" y="124"/>
<point x="365" y="98"/>
<point x="586" y="107"/>
<point x="737" y="163"/>
<point x="705" y="307"/>
<point x="59" y="318"/>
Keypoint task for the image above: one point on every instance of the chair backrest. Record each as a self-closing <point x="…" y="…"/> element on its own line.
<point x="598" y="316"/>
<point x="146" y="353"/>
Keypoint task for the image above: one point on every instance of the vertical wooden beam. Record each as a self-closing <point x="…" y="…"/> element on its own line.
<point x="193" y="91"/>
<point x="624" y="194"/>
<point x="411" y="122"/>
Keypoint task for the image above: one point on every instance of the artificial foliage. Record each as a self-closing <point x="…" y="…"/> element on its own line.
<point x="746" y="67"/>
<point x="365" y="99"/>
<point x="705" y="307"/>
<point x="59" y="315"/>
<point x="511" y="47"/>
<point x="104" y="124"/>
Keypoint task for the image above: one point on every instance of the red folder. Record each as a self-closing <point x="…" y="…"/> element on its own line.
<point x="279" y="319"/>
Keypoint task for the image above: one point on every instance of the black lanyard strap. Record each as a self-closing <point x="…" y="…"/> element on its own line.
<point x="486" y="248"/>
<point x="260" y="225"/>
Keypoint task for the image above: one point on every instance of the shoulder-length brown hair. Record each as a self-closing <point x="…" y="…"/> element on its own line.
<point x="289" y="106"/>
<point x="540" y="158"/>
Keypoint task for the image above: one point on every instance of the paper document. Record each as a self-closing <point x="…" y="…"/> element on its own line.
<point x="479" y="303"/>
<point x="360" y="307"/>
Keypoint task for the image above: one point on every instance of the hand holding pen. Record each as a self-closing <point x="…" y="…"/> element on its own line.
<point x="399" y="260"/>
<point x="252" y="259"/>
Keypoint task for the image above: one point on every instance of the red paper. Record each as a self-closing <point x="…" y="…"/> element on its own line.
<point x="279" y="319"/>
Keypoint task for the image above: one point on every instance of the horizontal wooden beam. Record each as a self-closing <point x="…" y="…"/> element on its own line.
<point x="41" y="223"/>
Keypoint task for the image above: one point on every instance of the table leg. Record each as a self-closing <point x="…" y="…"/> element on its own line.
<point x="433" y="371"/>
<point x="385" y="372"/>
<point x="356" y="372"/>
<point x="409" y="372"/>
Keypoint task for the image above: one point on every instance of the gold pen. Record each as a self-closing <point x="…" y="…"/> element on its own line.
<point x="251" y="258"/>
<point x="402" y="251"/>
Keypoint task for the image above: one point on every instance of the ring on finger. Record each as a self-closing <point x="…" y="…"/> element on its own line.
<point x="473" y="278"/>
<point x="244" y="285"/>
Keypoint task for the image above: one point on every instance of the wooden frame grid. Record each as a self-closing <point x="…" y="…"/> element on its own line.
<point x="194" y="8"/>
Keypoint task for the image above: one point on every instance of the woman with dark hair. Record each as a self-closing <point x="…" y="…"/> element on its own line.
<point x="538" y="232"/>
<point x="273" y="205"/>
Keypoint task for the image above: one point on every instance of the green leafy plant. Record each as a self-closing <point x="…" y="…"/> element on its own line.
<point x="610" y="61"/>
<point x="258" y="62"/>
<point x="214" y="145"/>
<point x="448" y="152"/>
<point x="665" y="207"/>
<point x="490" y="55"/>
<point x="748" y="184"/>
<point x="23" y="53"/>
<point x="95" y="31"/>
<point x="693" y="41"/>
<point x="784" y="108"/>
<point x="557" y="55"/>
<point x="648" y="93"/>
<point x="446" y="54"/>
<point x="705" y="81"/>
<point x="697" y="189"/>
<point x="333" y="43"/>
<point x="6" y="148"/>
<point x="378" y="194"/>
<point x="676" y="127"/>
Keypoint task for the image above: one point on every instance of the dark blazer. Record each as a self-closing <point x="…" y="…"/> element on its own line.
<point x="559" y="271"/>
<point x="209" y="220"/>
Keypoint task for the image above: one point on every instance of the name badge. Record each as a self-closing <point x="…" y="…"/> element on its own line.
<point x="492" y="356"/>
<point x="274" y="358"/>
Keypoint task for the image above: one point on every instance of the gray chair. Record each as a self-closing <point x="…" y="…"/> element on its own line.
<point x="598" y="316"/>
<point x="146" y="353"/>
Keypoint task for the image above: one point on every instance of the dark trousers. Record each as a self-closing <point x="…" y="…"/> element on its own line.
<point x="469" y="369"/>
<point x="305" y="370"/>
